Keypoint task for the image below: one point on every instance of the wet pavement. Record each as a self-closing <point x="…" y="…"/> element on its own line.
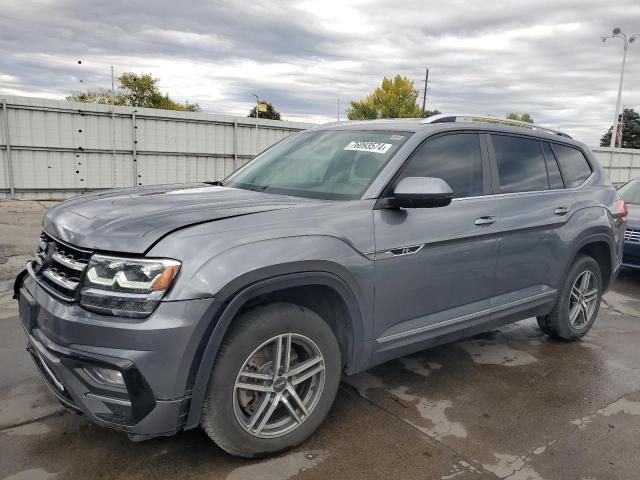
<point x="509" y="404"/>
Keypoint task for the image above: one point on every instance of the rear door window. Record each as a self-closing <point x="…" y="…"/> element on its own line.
<point x="574" y="166"/>
<point x="555" y="178"/>
<point x="521" y="164"/>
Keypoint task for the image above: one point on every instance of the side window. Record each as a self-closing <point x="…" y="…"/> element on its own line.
<point x="521" y="166"/>
<point x="456" y="158"/>
<point x="575" y="167"/>
<point x="555" y="178"/>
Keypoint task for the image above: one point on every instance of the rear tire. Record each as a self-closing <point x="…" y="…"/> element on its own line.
<point x="578" y="302"/>
<point x="279" y="408"/>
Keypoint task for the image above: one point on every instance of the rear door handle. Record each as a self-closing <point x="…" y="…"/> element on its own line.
<point x="488" y="220"/>
<point x="561" y="211"/>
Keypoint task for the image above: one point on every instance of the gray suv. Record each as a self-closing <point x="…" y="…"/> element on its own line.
<point x="238" y="305"/>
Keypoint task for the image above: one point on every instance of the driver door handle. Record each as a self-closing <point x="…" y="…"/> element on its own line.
<point x="487" y="220"/>
<point x="561" y="211"/>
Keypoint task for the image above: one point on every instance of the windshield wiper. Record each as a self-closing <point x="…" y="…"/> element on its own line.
<point x="215" y="183"/>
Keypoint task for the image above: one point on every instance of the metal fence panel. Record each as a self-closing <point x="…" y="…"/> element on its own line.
<point x="59" y="149"/>
<point x="621" y="164"/>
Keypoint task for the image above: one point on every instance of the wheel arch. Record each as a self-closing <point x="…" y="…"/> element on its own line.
<point x="598" y="246"/>
<point x="299" y="285"/>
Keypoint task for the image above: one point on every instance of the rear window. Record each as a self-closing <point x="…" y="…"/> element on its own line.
<point x="521" y="165"/>
<point x="574" y="166"/>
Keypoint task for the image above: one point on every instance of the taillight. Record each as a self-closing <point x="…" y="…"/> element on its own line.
<point x="620" y="209"/>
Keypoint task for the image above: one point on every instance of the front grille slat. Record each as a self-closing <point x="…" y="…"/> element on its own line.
<point x="60" y="279"/>
<point x="632" y="236"/>
<point x="59" y="267"/>
<point x="69" y="262"/>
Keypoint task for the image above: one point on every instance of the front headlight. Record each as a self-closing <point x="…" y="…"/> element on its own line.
<point x="127" y="287"/>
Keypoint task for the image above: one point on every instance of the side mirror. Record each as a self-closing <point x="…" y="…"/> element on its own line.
<point x="422" y="192"/>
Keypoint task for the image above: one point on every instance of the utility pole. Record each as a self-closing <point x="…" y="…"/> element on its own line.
<point x="424" y="95"/>
<point x="257" y="110"/>
<point x="617" y="33"/>
<point x="113" y="114"/>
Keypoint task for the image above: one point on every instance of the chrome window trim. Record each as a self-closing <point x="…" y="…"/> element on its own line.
<point x="530" y="192"/>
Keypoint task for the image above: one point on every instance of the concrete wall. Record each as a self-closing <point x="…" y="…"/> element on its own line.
<point x="58" y="149"/>
<point x="621" y="164"/>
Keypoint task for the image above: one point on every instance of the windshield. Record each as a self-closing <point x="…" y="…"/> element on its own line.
<point x="330" y="164"/>
<point x="630" y="192"/>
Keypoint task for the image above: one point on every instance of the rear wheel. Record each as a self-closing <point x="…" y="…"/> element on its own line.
<point x="274" y="380"/>
<point x="578" y="304"/>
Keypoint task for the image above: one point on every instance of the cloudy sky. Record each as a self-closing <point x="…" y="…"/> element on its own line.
<point x="544" y="57"/>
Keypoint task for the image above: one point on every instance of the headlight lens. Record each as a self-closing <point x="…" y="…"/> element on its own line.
<point x="126" y="286"/>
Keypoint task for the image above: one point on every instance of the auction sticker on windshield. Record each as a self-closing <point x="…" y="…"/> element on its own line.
<point x="374" y="147"/>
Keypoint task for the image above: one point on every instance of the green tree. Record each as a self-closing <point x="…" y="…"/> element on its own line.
<point x="395" y="98"/>
<point x="430" y="113"/>
<point x="525" y="117"/>
<point x="271" y="113"/>
<point x="630" y="130"/>
<point x="135" y="91"/>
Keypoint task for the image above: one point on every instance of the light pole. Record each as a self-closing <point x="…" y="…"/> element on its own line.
<point x="617" y="33"/>
<point x="257" y="110"/>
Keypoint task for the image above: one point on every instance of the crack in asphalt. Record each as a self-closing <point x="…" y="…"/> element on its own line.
<point x="619" y="312"/>
<point x="353" y="391"/>
<point x="33" y="420"/>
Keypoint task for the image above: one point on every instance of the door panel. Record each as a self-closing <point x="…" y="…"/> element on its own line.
<point x="451" y="275"/>
<point x="531" y="215"/>
<point x="530" y="246"/>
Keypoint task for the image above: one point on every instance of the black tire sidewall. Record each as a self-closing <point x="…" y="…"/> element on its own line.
<point x="249" y="331"/>
<point x="561" y="322"/>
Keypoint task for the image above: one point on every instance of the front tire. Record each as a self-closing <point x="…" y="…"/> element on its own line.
<point x="273" y="382"/>
<point x="578" y="304"/>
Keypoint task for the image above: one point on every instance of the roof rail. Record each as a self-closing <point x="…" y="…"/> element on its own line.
<point x="467" y="117"/>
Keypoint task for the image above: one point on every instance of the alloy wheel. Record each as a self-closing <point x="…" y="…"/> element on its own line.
<point x="583" y="299"/>
<point x="279" y="385"/>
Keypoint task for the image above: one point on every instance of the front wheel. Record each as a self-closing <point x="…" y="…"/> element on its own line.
<point x="274" y="381"/>
<point x="578" y="304"/>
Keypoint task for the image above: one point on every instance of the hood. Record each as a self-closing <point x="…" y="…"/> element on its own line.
<point x="633" y="220"/>
<point x="132" y="220"/>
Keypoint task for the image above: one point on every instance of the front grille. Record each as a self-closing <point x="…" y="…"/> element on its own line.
<point x="59" y="267"/>
<point x="632" y="236"/>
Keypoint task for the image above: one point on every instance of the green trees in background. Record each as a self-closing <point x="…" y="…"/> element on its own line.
<point x="135" y="91"/>
<point x="630" y="130"/>
<point x="267" y="111"/>
<point x="525" y="117"/>
<point x="395" y="98"/>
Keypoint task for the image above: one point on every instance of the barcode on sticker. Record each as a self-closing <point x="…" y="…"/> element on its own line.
<point x="374" y="147"/>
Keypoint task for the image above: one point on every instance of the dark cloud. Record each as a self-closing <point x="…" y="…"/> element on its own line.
<point x="493" y="57"/>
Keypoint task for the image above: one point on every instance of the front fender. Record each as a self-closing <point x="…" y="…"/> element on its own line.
<point x="247" y="269"/>
<point x="205" y="275"/>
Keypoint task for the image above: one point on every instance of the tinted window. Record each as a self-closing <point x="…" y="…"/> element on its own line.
<point x="455" y="158"/>
<point x="575" y="167"/>
<point x="555" y="178"/>
<point x="521" y="165"/>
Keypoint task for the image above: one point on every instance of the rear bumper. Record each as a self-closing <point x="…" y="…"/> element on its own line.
<point x="154" y="357"/>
